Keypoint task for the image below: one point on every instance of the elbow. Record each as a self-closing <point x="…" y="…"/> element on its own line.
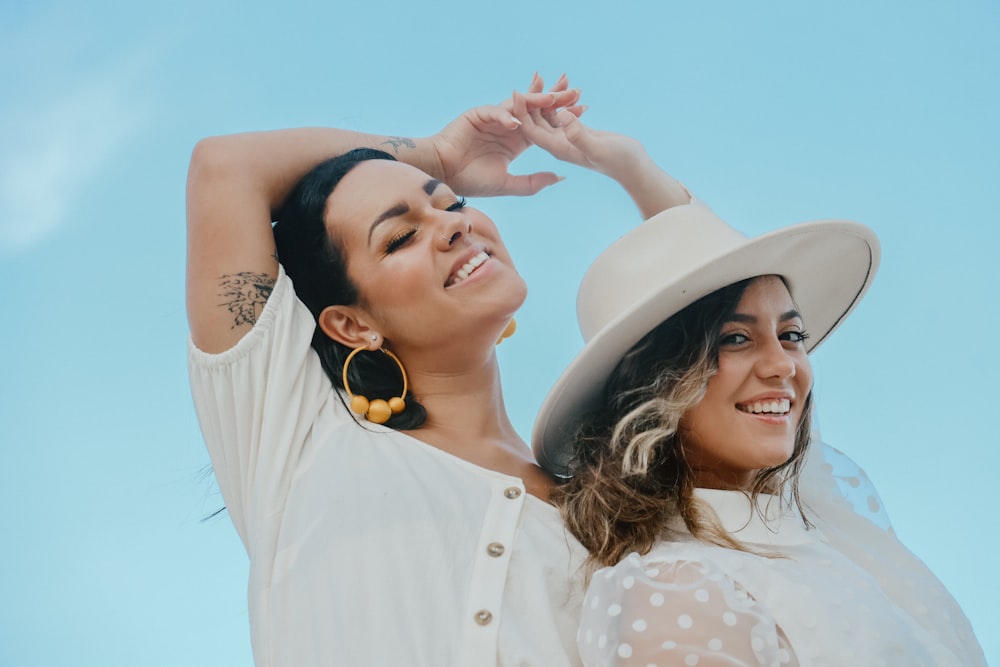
<point x="207" y="174"/>
<point x="214" y="167"/>
<point x="208" y="159"/>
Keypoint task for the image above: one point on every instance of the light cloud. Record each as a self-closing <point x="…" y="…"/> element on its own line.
<point x="59" y="144"/>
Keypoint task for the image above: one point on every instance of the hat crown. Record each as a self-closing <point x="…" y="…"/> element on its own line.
<point x="655" y="254"/>
<point x="672" y="260"/>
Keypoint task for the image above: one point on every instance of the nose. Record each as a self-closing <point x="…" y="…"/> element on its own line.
<point x="451" y="230"/>
<point x="775" y="361"/>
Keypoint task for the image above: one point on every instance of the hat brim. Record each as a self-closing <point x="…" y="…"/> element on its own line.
<point x="828" y="265"/>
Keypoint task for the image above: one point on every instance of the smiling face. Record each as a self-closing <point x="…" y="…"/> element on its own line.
<point x="749" y="416"/>
<point x="429" y="270"/>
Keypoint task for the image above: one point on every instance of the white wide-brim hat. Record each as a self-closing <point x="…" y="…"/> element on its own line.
<point x="672" y="260"/>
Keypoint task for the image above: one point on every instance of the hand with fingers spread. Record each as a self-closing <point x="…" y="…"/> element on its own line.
<point x="475" y="150"/>
<point x="560" y="131"/>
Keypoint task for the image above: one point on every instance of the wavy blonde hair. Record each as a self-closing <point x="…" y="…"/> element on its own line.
<point x="630" y="478"/>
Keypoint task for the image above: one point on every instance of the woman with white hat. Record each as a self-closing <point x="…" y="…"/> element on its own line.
<point x="391" y="517"/>
<point x="729" y="534"/>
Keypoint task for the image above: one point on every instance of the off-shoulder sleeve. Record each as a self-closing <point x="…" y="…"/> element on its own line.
<point x="256" y="403"/>
<point x="679" y="613"/>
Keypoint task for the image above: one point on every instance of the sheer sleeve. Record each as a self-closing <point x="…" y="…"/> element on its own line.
<point x="843" y="503"/>
<point x="678" y="613"/>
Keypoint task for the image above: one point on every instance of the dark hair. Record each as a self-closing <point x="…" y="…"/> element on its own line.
<point x="630" y="474"/>
<point x="314" y="259"/>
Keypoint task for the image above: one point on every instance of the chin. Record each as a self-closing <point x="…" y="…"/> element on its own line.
<point x="519" y="291"/>
<point x="777" y="458"/>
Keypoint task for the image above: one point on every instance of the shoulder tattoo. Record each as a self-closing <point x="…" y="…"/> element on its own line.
<point x="244" y="295"/>
<point x="397" y="142"/>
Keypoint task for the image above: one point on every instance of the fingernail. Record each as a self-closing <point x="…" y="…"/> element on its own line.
<point x="516" y="121"/>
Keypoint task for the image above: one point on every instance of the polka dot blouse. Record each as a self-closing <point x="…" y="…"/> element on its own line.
<point x="794" y="600"/>
<point x="679" y="613"/>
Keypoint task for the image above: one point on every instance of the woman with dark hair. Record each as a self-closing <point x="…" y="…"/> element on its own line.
<point x="728" y="533"/>
<point x="344" y="375"/>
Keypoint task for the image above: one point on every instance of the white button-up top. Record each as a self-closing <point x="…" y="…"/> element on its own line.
<point x="369" y="547"/>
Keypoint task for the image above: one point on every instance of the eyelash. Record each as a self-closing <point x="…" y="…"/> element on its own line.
<point x="730" y="338"/>
<point x="400" y="239"/>
<point x="403" y="237"/>
<point x="801" y="336"/>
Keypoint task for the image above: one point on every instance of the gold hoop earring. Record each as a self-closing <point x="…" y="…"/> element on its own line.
<point x="508" y="331"/>
<point x="376" y="411"/>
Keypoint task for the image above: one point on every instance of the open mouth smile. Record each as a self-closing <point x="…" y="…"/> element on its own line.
<point x="467" y="269"/>
<point x="777" y="406"/>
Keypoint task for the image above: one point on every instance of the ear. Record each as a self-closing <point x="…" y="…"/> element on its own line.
<point x="349" y="326"/>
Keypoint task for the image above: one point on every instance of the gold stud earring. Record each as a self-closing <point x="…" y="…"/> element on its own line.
<point x="508" y="330"/>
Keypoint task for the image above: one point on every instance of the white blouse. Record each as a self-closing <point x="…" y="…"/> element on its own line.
<point x="798" y="601"/>
<point x="367" y="546"/>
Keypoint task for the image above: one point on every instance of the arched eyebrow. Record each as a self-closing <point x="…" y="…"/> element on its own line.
<point x="432" y="185"/>
<point x="744" y="318"/>
<point x="401" y="208"/>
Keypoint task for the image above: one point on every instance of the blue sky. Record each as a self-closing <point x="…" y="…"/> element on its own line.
<point x="883" y="112"/>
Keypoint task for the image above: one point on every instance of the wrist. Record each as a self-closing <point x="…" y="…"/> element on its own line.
<point x="651" y="188"/>
<point x="423" y="154"/>
<point x="420" y="153"/>
<point x="631" y="169"/>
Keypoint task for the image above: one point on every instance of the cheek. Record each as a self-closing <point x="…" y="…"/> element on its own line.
<point x="803" y="384"/>
<point x="483" y="226"/>
<point x="701" y="421"/>
<point x="729" y="376"/>
<point x="395" y="280"/>
<point x="482" y="223"/>
<point x="803" y="375"/>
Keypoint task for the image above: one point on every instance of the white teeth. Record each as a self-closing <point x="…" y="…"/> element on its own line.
<point x="470" y="266"/>
<point x="778" y="407"/>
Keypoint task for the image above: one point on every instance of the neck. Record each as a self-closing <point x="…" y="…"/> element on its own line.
<point x="467" y="418"/>
<point x="724" y="480"/>
<point x="465" y="404"/>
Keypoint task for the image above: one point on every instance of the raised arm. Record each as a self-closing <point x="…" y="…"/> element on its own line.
<point x="565" y="136"/>
<point x="236" y="183"/>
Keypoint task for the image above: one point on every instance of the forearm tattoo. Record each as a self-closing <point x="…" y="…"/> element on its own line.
<point x="397" y="142"/>
<point x="245" y="294"/>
